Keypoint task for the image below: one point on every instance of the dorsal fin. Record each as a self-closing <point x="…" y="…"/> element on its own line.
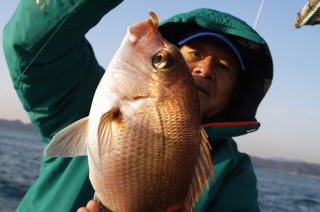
<point x="202" y="172"/>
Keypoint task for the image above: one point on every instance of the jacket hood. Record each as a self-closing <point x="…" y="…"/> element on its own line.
<point x="255" y="80"/>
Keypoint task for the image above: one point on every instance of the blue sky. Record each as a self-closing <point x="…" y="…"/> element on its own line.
<point x="289" y="113"/>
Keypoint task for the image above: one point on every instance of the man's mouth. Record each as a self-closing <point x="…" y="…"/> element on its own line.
<point x="200" y="83"/>
<point x="203" y="90"/>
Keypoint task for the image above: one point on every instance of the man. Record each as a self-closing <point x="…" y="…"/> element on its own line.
<point x="230" y="62"/>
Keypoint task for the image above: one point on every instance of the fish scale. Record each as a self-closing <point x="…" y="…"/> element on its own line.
<point x="183" y="146"/>
<point x="142" y="136"/>
<point x="141" y="175"/>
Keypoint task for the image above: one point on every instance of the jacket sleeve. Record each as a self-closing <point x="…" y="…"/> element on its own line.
<point x="234" y="187"/>
<point x="51" y="63"/>
<point x="55" y="74"/>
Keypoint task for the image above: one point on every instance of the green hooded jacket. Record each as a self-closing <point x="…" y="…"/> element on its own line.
<point x="60" y="81"/>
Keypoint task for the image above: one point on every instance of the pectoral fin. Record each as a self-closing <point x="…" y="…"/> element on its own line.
<point x="104" y="131"/>
<point x="71" y="141"/>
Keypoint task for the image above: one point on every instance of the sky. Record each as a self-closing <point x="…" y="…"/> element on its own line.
<point x="290" y="112"/>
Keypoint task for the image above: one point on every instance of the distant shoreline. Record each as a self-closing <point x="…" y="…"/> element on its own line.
<point x="17" y="124"/>
<point x="288" y="167"/>
<point x="290" y="173"/>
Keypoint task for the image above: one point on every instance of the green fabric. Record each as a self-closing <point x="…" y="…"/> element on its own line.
<point x="224" y="132"/>
<point x="57" y="89"/>
<point x="217" y="21"/>
<point x="234" y="187"/>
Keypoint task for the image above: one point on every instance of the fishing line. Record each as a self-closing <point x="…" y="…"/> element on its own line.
<point x="44" y="45"/>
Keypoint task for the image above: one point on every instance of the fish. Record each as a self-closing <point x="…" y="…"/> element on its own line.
<point x="143" y="137"/>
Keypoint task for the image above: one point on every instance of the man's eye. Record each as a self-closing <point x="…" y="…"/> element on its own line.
<point x="195" y="54"/>
<point x="224" y="65"/>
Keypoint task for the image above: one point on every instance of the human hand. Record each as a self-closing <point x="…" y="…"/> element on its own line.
<point x="92" y="206"/>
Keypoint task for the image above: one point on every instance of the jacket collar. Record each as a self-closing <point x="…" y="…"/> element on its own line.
<point x="224" y="130"/>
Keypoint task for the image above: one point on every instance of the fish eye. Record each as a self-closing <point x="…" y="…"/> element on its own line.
<point x="162" y="61"/>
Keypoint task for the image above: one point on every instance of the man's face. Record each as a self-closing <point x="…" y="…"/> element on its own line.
<point x="214" y="67"/>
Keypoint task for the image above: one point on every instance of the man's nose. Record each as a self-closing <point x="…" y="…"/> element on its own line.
<point x="204" y="68"/>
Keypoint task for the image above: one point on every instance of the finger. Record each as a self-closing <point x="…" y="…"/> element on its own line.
<point x="93" y="206"/>
<point x="83" y="209"/>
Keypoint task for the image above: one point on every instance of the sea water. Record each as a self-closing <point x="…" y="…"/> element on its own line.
<point x="20" y="156"/>
<point x="280" y="192"/>
<point x="21" y="152"/>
